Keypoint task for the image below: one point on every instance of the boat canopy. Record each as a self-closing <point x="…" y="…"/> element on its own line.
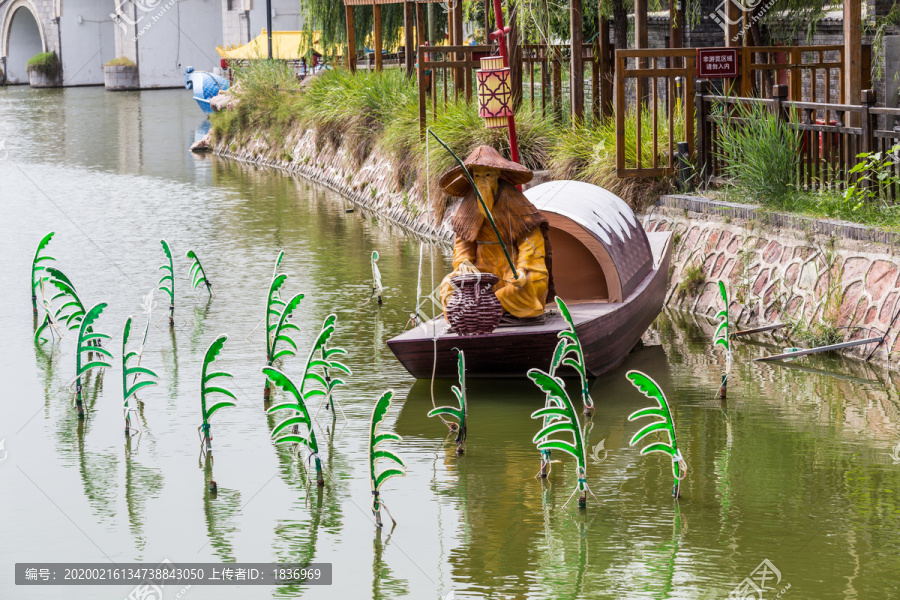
<point x="600" y="249"/>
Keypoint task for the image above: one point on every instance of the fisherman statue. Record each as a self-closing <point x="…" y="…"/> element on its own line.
<point x="522" y="228"/>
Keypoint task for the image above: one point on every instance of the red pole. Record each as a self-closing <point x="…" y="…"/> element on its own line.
<point x="500" y="36"/>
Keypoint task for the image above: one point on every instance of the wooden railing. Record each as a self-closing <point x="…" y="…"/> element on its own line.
<point x="812" y="73"/>
<point x="447" y="74"/>
<point x="646" y="81"/>
<point x="651" y="76"/>
<point x="543" y="67"/>
<point x="831" y="135"/>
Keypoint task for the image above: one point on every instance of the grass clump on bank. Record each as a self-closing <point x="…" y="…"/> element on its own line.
<point x="760" y="154"/>
<point x="120" y="61"/>
<point x="46" y="63"/>
<point x="267" y="100"/>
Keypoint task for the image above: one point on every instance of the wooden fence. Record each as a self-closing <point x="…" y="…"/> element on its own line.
<point x="543" y="67"/>
<point x="652" y="75"/>
<point x="647" y="78"/>
<point x="447" y="74"/>
<point x="831" y="135"/>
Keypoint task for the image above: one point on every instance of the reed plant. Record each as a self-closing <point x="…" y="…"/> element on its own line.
<point x="205" y="389"/>
<point x="722" y="337"/>
<point x="86" y="344"/>
<point x="127" y="370"/>
<point x="760" y="155"/>
<point x="166" y="283"/>
<point x="277" y="320"/>
<point x="198" y="273"/>
<point x="559" y="417"/>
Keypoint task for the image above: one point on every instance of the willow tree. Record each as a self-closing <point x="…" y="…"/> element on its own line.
<point x="329" y="17"/>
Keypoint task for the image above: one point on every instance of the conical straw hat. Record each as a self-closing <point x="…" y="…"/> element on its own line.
<point x="454" y="181"/>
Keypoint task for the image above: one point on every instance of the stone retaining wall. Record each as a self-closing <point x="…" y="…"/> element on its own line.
<point x="121" y="78"/>
<point x="781" y="273"/>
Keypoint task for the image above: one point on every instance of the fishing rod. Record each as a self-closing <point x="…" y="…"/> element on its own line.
<point x="487" y="211"/>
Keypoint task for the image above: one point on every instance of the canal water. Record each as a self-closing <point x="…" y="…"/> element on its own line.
<point x="800" y="467"/>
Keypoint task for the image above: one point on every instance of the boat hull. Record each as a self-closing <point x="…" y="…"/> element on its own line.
<point x="608" y="332"/>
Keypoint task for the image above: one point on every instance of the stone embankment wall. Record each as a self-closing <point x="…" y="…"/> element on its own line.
<point x="780" y="268"/>
<point x="372" y="185"/>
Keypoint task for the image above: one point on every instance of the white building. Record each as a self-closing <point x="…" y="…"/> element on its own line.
<point x="161" y="37"/>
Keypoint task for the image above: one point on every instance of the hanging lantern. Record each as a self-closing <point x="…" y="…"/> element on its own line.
<point x="494" y="92"/>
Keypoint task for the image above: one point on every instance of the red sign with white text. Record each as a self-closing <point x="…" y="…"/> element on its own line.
<point x="717" y="62"/>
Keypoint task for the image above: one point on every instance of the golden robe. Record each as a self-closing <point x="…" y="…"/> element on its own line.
<point x="524" y="231"/>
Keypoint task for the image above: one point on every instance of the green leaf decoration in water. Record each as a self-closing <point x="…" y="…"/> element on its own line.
<point x="299" y="417"/>
<point x="70" y="309"/>
<point x="722" y="330"/>
<point x="723" y="338"/>
<point x="550" y="402"/>
<point x="135" y="371"/>
<point x="666" y="424"/>
<point x="376" y="477"/>
<point x="457" y="413"/>
<point x="166" y="283"/>
<point x="278" y="326"/>
<point x="327" y="362"/>
<point x="205" y="389"/>
<point x="197" y="274"/>
<point x="377" y="287"/>
<point x="278" y="313"/>
<point x="563" y="421"/>
<point x="86" y="344"/>
<point x="573" y="355"/>
<point x="37" y="269"/>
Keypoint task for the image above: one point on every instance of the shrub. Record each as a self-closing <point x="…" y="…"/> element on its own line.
<point x="46" y="63"/>
<point x="876" y="176"/>
<point x="760" y="154"/>
<point x="354" y="109"/>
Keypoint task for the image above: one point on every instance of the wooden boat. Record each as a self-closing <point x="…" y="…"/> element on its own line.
<point x="611" y="274"/>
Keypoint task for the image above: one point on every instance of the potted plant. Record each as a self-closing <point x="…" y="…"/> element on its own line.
<point x="121" y="74"/>
<point x="43" y="70"/>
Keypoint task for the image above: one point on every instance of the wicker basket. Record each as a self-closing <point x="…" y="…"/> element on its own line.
<point x="474" y="309"/>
